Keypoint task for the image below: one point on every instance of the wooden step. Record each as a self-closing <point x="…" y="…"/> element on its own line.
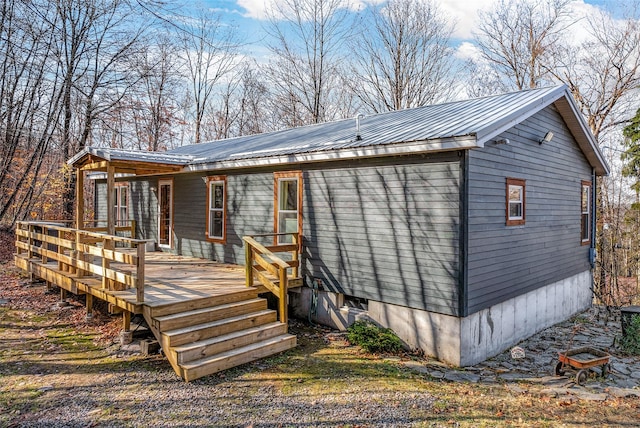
<point x="209" y="365"/>
<point x="199" y="316"/>
<point x="219" y="344"/>
<point x="208" y="330"/>
<point x="205" y="302"/>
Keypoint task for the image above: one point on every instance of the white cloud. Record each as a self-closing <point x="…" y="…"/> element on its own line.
<point x="256" y="9"/>
<point x="465" y="14"/>
<point x="467" y="50"/>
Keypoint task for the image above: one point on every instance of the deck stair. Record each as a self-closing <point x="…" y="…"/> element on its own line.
<point x="207" y="335"/>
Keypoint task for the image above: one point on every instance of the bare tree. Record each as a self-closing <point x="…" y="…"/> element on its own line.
<point x="402" y="56"/>
<point x="152" y="107"/>
<point x="517" y="39"/>
<point x="208" y="50"/>
<point x="307" y="38"/>
<point x="603" y="73"/>
<point x="29" y="106"/>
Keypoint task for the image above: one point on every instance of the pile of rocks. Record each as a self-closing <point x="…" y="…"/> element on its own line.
<point x="594" y="328"/>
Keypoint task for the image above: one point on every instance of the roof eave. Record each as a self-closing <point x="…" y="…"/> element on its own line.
<point x="395" y="149"/>
<point x="582" y="133"/>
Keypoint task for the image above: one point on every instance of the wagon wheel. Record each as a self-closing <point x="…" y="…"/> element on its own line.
<point x="606" y="369"/>
<point x="559" y="370"/>
<point x="581" y="377"/>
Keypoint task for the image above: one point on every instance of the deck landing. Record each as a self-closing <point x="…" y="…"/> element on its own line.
<point x="201" y="311"/>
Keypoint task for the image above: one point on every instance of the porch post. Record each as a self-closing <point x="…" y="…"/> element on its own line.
<point x="79" y="199"/>
<point x="111" y="225"/>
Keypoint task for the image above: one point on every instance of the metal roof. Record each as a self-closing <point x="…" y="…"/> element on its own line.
<point x="111" y="154"/>
<point x="450" y="126"/>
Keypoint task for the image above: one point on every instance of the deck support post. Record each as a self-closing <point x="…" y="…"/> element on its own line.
<point x="111" y="200"/>
<point x="63" y="294"/>
<point x="89" y="307"/>
<point x="126" y="335"/>
<point x="79" y="199"/>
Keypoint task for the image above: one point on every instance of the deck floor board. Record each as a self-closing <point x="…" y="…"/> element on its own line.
<point x="169" y="279"/>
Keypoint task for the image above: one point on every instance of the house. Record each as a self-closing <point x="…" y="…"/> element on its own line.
<point x="465" y="226"/>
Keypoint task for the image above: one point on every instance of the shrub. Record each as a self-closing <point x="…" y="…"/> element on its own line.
<point x="630" y="341"/>
<point x="372" y="338"/>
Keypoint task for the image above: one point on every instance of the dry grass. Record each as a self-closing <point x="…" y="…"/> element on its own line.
<point x="49" y="359"/>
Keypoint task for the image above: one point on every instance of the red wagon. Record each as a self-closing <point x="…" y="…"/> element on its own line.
<point x="583" y="360"/>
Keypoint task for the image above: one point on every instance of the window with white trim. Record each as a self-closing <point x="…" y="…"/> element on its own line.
<point x="516" y="201"/>
<point x="121" y="207"/>
<point x="217" y="204"/>
<point x="288" y="197"/>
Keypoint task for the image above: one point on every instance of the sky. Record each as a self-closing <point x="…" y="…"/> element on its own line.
<point x="249" y="18"/>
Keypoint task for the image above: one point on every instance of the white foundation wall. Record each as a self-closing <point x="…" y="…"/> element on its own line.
<point x="462" y="341"/>
<point x="492" y="330"/>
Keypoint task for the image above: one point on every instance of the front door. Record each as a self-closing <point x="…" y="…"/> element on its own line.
<point x="165" y="213"/>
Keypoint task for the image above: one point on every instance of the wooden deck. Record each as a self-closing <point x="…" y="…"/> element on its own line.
<point x="202" y="312"/>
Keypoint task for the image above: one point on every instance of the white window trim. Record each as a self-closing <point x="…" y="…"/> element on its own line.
<point x="213" y="210"/>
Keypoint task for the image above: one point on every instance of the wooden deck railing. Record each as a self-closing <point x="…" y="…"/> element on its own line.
<point x="262" y="261"/>
<point x="127" y="227"/>
<point x="85" y="253"/>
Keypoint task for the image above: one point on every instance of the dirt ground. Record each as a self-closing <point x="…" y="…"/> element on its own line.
<point x="58" y="370"/>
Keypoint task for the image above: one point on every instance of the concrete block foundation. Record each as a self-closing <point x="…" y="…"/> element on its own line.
<point x="460" y="341"/>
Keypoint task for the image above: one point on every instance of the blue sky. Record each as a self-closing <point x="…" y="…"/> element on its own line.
<point x="248" y="17"/>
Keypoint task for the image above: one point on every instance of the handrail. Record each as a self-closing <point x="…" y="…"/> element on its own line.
<point x="121" y="226"/>
<point x="74" y="250"/>
<point x="261" y="258"/>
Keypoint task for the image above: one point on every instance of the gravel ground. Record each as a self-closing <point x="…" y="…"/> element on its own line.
<point x="155" y="397"/>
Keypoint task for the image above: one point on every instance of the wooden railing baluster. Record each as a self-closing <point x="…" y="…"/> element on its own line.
<point x="260" y="260"/>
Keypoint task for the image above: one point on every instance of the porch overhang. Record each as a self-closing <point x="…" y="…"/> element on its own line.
<point x="116" y="161"/>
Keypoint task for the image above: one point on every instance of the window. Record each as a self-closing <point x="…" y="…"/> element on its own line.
<point x="515" y="201"/>
<point x="585" y="208"/>
<point x="121" y="211"/>
<point x="217" y="207"/>
<point x="288" y="200"/>
<point x="165" y="213"/>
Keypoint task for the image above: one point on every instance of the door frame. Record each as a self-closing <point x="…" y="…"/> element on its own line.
<point x="165" y="182"/>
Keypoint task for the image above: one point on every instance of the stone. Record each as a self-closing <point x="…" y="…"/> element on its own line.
<point x="460" y="376"/>
<point x="516" y="389"/>
<point x="511" y="376"/>
<point x="4" y="302"/>
<point x="45" y="388"/>
<point x="623" y="392"/>
<point x="590" y="396"/>
<point x="436" y="374"/>
<point x="126" y="337"/>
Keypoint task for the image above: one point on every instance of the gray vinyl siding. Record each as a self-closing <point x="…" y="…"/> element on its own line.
<point x="143" y="208"/>
<point x="507" y="261"/>
<point x="249" y="211"/>
<point x="388" y="233"/>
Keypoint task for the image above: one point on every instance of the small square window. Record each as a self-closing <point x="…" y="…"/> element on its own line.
<point x="516" y="201"/>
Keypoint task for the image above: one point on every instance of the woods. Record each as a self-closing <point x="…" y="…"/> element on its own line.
<point x="151" y="75"/>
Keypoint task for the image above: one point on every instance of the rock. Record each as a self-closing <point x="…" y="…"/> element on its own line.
<point x="416" y="366"/>
<point x="623" y="392"/>
<point x="45" y="388"/>
<point x="459" y="376"/>
<point x="553" y="392"/>
<point x="436" y="374"/>
<point x="4" y="302"/>
<point x="515" y="389"/>
<point x="512" y="376"/>
<point x="590" y="396"/>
